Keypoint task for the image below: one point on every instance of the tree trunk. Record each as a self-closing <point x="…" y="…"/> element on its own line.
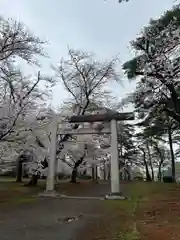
<point x="129" y="177"/>
<point x="150" y="162"/>
<point x="148" y="176"/>
<point x="19" y="170"/>
<point x="93" y="173"/>
<point x="159" y="175"/>
<point x="96" y="173"/>
<point x="109" y="172"/>
<point x="75" y="170"/>
<point x="126" y="174"/>
<point x="33" y="181"/>
<point x="172" y="155"/>
<point x="152" y="171"/>
<point x="160" y="166"/>
<point x="104" y="171"/>
<point x="74" y="175"/>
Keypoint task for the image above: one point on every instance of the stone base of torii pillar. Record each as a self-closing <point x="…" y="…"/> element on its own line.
<point x="49" y="194"/>
<point x="115" y="196"/>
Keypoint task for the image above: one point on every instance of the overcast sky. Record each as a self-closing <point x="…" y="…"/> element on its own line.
<point x="102" y="27"/>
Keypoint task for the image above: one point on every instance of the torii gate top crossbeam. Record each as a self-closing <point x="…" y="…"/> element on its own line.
<point x="102" y="117"/>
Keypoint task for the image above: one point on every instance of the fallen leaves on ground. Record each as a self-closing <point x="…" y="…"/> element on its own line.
<point x="153" y="212"/>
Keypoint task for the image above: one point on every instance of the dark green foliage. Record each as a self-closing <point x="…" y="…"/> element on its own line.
<point x="62" y="176"/>
<point x="163" y="22"/>
<point x="10" y="173"/>
<point x="130" y="68"/>
<point x="138" y="178"/>
<point x="157" y="85"/>
<point x="168" y="179"/>
<point x="85" y="177"/>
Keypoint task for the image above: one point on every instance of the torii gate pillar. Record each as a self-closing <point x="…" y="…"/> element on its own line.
<point x="50" y="181"/>
<point x="115" y="185"/>
<point x="52" y="156"/>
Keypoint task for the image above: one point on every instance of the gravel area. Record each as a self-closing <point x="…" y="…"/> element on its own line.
<point x="54" y="219"/>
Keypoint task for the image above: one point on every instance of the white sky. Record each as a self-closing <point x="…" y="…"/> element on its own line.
<point x="102" y="27"/>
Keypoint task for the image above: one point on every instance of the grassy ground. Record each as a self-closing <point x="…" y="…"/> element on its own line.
<point x="152" y="212"/>
<point x="12" y="193"/>
<point x="47" y="218"/>
<point x="15" y="193"/>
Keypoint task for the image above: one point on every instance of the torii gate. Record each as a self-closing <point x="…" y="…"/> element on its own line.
<point x="113" y="118"/>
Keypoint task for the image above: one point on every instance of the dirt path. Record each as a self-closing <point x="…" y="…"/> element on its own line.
<point x="51" y="218"/>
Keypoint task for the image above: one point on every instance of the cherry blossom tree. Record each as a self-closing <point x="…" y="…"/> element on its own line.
<point x="36" y="136"/>
<point x="18" y="92"/>
<point x="20" y="95"/>
<point x="85" y="152"/>
<point x="85" y="80"/>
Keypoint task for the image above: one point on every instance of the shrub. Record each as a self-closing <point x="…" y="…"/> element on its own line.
<point x="10" y="173"/>
<point x="139" y="178"/>
<point x="62" y="176"/>
<point x="167" y="179"/>
<point x="85" y="177"/>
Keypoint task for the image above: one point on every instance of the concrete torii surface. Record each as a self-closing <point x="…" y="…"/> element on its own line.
<point x="113" y="118"/>
<point x="107" y="117"/>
